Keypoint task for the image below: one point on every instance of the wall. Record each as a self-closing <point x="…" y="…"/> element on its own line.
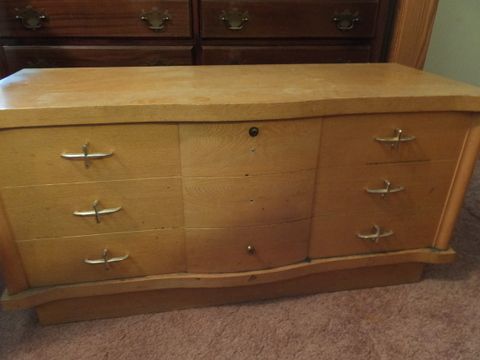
<point x="455" y="45"/>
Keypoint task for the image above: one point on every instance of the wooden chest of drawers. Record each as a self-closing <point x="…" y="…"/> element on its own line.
<point x="167" y="188"/>
<point x="85" y="33"/>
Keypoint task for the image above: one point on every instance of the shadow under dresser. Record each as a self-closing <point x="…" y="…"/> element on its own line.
<point x="134" y="190"/>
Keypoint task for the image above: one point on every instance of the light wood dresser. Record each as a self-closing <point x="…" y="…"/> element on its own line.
<point x="131" y="190"/>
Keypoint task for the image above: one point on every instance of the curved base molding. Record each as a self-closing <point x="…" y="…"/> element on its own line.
<point x="176" y="291"/>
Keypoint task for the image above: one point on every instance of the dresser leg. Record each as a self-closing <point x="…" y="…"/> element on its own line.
<point x="108" y="306"/>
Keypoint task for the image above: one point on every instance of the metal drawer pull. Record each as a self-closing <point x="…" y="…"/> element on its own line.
<point x="97" y="213"/>
<point x="388" y="189"/>
<point x="105" y="260"/>
<point x="398" y="137"/>
<point x="234" y="19"/>
<point x="85" y="155"/>
<point x="156" y="19"/>
<point x="376" y="235"/>
<point x="32" y="19"/>
<point x="346" y="20"/>
<point x="251" y="250"/>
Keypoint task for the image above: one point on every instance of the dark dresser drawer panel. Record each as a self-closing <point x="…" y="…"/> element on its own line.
<point x="287" y="18"/>
<point x="19" y="57"/>
<point x="217" y="55"/>
<point x="46" y="18"/>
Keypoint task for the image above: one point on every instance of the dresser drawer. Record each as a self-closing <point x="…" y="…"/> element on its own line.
<point x="390" y="188"/>
<point x="80" y="18"/>
<point x="249" y="148"/>
<point x="356" y="140"/>
<point x="48" y="210"/>
<point x="34" y="156"/>
<point x="20" y="57"/>
<point x="219" y="55"/>
<point x="288" y="19"/>
<point x="337" y="235"/>
<point x="248" y="200"/>
<point x="246" y="248"/>
<point x="62" y="260"/>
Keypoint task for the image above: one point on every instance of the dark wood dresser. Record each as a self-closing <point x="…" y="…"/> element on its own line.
<point x="52" y="33"/>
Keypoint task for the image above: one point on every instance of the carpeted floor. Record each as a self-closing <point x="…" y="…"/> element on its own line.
<point x="438" y="318"/>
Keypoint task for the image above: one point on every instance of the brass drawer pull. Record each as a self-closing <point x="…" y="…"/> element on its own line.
<point x="377" y="234"/>
<point x="156" y="19"/>
<point x="97" y="213"/>
<point x="346" y="20"/>
<point x="105" y="260"/>
<point x="251" y="250"/>
<point x="397" y="138"/>
<point x="85" y="155"/>
<point x="388" y="189"/>
<point x="234" y="19"/>
<point x="31" y="18"/>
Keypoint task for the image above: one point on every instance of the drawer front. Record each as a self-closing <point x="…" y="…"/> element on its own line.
<point x="61" y="261"/>
<point x="354" y="140"/>
<point x="47" y="18"/>
<point x="284" y="19"/>
<point x="20" y="57"/>
<point x="248" y="200"/>
<point x="247" y="148"/>
<point x="336" y="235"/>
<point x="48" y="210"/>
<point x="33" y="156"/>
<point x="220" y="55"/>
<point x="246" y="248"/>
<point x="354" y="190"/>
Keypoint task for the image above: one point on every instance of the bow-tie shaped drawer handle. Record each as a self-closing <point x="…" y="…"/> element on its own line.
<point x="377" y="234"/>
<point x="397" y="138"/>
<point x="388" y="189"/>
<point x="85" y="155"/>
<point x="96" y="212"/>
<point x="105" y="260"/>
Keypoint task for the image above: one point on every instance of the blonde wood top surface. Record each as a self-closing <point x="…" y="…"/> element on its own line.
<point x="34" y="97"/>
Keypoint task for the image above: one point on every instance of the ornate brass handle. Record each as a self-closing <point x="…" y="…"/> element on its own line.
<point x="96" y="212"/>
<point x="85" y="155"/>
<point x="388" y="189"/>
<point x="105" y="260"/>
<point x="251" y="250"/>
<point x="156" y="19"/>
<point x="377" y="234"/>
<point x="397" y="138"/>
<point x="31" y="18"/>
<point x="346" y="20"/>
<point x="234" y="19"/>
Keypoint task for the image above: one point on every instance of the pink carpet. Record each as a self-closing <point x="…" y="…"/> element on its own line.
<point x="438" y="318"/>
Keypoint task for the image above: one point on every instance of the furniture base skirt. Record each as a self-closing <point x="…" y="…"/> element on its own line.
<point x="132" y="303"/>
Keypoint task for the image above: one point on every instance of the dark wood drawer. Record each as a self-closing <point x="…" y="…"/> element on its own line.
<point x="287" y="19"/>
<point x="101" y="18"/>
<point x="19" y="57"/>
<point x="216" y="55"/>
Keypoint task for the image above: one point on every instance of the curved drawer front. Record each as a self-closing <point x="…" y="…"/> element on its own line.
<point x="337" y="235"/>
<point x="20" y="57"/>
<point x="248" y="200"/>
<point x="280" y="18"/>
<point x="34" y="156"/>
<point x="390" y="188"/>
<point x="247" y="148"/>
<point x="48" y="210"/>
<point x="369" y="139"/>
<point x="61" y="261"/>
<point x="167" y="18"/>
<point x="246" y="248"/>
